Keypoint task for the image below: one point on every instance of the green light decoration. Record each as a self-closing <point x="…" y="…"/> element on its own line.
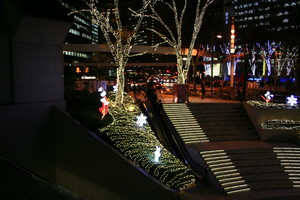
<point x="139" y="144"/>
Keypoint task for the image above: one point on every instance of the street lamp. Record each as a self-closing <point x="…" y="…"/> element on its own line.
<point x="232" y="50"/>
<point x="212" y="61"/>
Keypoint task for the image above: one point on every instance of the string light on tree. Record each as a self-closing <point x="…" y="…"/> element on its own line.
<point x="113" y="30"/>
<point x="174" y="37"/>
<point x="139" y="145"/>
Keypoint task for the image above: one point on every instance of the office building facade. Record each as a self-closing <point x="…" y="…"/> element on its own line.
<point x="82" y="31"/>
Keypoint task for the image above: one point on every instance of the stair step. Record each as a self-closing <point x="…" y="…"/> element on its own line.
<point x="250" y="150"/>
<point x="227" y="128"/>
<point x="269" y="184"/>
<point x="231" y="133"/>
<point x="260" y="169"/>
<point x="252" y="156"/>
<point x="265" y="176"/>
<point x="229" y="124"/>
<point x="263" y="162"/>
<point x="232" y="138"/>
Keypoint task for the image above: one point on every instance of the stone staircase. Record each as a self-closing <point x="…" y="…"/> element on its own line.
<point x="185" y="123"/>
<point x="255" y="169"/>
<point x="230" y="149"/>
<point x="224" y="121"/>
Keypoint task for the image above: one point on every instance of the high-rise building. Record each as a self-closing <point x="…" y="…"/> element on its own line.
<point x="82" y="31"/>
<point x="267" y="19"/>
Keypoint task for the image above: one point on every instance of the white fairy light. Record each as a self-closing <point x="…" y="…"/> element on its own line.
<point x="157" y="154"/>
<point x="292" y="100"/>
<point x="174" y="38"/>
<point x="141" y="120"/>
<point x="111" y="26"/>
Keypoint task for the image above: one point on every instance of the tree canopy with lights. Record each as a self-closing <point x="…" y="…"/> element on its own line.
<point x="110" y="24"/>
<point x="174" y="37"/>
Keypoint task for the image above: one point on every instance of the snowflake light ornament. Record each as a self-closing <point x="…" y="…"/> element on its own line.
<point x="292" y="100"/>
<point x="141" y="120"/>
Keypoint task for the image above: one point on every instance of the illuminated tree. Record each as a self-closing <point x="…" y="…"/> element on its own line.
<point x="118" y="37"/>
<point x="252" y="60"/>
<point x="225" y="48"/>
<point x="266" y="52"/>
<point x="287" y="57"/>
<point x="174" y="37"/>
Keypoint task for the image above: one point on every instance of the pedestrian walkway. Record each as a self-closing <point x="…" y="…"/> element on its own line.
<point x="167" y="98"/>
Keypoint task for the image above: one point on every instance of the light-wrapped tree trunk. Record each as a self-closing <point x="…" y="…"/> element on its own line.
<point x="174" y="38"/>
<point x="113" y="31"/>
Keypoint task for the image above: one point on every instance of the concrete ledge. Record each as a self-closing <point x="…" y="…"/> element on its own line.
<point x="259" y="115"/>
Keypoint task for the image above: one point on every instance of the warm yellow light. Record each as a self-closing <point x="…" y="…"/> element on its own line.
<point x="131" y="108"/>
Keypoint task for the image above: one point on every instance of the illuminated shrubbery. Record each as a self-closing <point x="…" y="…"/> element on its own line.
<point x="264" y="104"/>
<point x="139" y="144"/>
<point x="281" y="124"/>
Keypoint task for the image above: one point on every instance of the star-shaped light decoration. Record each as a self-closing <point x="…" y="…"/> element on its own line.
<point x="141" y="120"/>
<point x="157" y="154"/>
<point x="292" y="100"/>
<point x="115" y="88"/>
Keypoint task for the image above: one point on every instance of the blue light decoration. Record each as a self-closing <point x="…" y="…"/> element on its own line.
<point x="292" y="100"/>
<point x="141" y="120"/>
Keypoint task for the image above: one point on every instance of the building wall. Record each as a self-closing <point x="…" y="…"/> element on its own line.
<point x="31" y="65"/>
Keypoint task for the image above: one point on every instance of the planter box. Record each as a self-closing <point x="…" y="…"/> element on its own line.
<point x="259" y="115"/>
<point x="181" y="93"/>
